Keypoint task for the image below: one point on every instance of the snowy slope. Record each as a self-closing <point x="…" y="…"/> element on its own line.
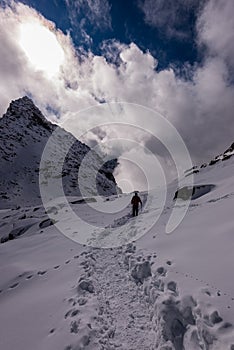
<point x="154" y="291"/>
<point x="24" y="134"/>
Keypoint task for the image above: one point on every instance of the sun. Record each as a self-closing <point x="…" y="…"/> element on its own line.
<point x="41" y="47"/>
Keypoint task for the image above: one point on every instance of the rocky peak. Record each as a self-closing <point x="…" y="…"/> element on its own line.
<point x="26" y="109"/>
<point x="24" y="133"/>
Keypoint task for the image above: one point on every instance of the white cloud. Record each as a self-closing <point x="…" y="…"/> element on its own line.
<point x="216" y="29"/>
<point x="22" y="75"/>
<point x="200" y="109"/>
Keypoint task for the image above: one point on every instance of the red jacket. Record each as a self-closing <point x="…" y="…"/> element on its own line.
<point x="136" y="200"/>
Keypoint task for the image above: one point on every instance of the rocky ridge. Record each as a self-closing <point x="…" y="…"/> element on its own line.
<point x="24" y="132"/>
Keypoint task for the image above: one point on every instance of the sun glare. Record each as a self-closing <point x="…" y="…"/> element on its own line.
<point x="41" y="47"/>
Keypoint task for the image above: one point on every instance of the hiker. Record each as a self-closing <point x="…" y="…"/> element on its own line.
<point x="135" y="204"/>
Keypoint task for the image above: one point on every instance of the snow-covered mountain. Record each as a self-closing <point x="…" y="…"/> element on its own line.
<point x="24" y="132"/>
<point x="121" y="282"/>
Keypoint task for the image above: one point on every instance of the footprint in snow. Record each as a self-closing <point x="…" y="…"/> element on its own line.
<point x="162" y="271"/>
<point x="52" y="330"/>
<point x="29" y="277"/>
<point x="71" y="313"/>
<point x="82" y="301"/>
<point x="206" y="291"/>
<point x="41" y="273"/>
<point x="14" y="285"/>
<point x="23" y="274"/>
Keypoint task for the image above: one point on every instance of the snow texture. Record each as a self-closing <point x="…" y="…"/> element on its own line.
<point x="155" y="291"/>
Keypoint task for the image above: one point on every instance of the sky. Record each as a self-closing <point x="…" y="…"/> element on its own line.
<point x="126" y="64"/>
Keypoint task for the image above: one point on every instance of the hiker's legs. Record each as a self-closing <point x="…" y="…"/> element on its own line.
<point x="137" y="211"/>
<point x="134" y="210"/>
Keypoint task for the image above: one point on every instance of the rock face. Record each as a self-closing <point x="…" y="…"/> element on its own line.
<point x="221" y="157"/>
<point x="193" y="192"/>
<point x="24" y="133"/>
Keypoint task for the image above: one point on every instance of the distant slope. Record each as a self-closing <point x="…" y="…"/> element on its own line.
<point x="221" y="157"/>
<point x="24" y="132"/>
<point x="201" y="187"/>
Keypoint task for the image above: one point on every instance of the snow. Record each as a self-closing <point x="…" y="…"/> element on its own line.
<point x="79" y="272"/>
<point x="146" y="290"/>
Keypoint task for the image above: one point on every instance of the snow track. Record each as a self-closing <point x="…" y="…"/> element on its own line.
<point x="138" y="309"/>
<point x="122" y="303"/>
